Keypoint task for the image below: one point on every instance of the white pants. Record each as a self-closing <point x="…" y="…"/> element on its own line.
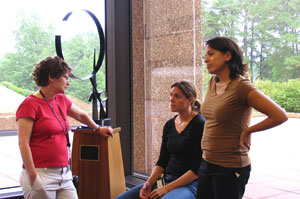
<point x="50" y="183"/>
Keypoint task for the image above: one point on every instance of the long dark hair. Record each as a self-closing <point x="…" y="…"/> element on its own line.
<point x="189" y="90"/>
<point x="225" y="44"/>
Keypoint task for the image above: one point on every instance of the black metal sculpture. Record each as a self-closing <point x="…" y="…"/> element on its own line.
<point x="95" y="95"/>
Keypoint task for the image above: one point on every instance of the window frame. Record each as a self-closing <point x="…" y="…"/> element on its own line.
<point x="120" y="81"/>
<point x="118" y="78"/>
<point x="119" y="74"/>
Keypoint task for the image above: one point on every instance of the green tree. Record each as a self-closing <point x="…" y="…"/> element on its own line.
<point x="80" y="55"/>
<point x="34" y="42"/>
<point x="288" y="28"/>
<point x="267" y="30"/>
<point x="220" y="17"/>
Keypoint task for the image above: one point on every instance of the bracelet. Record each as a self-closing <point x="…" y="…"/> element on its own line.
<point x="97" y="129"/>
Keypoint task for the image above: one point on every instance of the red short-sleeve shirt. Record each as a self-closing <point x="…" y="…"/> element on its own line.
<point x="48" y="142"/>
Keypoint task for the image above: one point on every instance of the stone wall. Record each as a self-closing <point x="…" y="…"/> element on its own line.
<point x="167" y="47"/>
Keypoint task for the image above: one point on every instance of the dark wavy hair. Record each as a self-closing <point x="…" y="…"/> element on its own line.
<point x="52" y="66"/>
<point x="189" y="90"/>
<point x="225" y="44"/>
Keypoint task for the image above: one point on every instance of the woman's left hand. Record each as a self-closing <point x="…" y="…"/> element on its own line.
<point x="158" y="193"/>
<point x="245" y="139"/>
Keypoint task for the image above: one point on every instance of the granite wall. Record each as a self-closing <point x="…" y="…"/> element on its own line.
<point x="166" y="47"/>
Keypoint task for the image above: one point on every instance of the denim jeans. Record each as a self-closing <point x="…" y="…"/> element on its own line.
<point x="217" y="182"/>
<point x="188" y="191"/>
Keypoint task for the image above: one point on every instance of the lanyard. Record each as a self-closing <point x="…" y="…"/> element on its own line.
<point x="63" y="116"/>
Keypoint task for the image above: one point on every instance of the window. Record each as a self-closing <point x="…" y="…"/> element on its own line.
<point x="28" y="35"/>
<point x="167" y="42"/>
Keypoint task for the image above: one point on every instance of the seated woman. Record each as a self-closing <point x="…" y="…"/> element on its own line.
<point x="180" y="153"/>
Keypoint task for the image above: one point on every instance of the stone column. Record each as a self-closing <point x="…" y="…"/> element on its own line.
<point x="166" y="47"/>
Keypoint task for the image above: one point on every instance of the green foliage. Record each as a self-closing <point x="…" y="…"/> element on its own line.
<point x="16" y="89"/>
<point x="221" y="17"/>
<point x="286" y="94"/>
<point x="80" y="55"/>
<point x="267" y="30"/>
<point x="35" y="41"/>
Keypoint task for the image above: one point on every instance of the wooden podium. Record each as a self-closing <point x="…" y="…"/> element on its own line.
<point x="97" y="161"/>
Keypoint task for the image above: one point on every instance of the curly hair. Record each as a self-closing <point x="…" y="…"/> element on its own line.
<point x="225" y="44"/>
<point x="189" y="90"/>
<point x="52" y="66"/>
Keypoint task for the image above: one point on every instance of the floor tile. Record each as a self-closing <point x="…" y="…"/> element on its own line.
<point x="257" y="191"/>
<point x="260" y="178"/>
<point x="8" y="182"/>
<point x="285" y="196"/>
<point x="284" y="184"/>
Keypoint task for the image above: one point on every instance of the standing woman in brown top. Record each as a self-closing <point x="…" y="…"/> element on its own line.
<point x="225" y="169"/>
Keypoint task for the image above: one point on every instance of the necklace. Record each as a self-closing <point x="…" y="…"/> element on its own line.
<point x="180" y="122"/>
<point x="224" y="84"/>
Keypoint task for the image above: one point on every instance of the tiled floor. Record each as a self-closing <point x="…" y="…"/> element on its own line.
<point x="275" y="156"/>
<point x="10" y="161"/>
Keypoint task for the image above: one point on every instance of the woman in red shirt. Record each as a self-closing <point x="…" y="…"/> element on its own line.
<point x="43" y="133"/>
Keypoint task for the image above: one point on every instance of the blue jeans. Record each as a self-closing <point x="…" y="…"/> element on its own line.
<point x="188" y="191"/>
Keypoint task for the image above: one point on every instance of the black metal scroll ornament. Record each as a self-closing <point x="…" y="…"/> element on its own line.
<point x="96" y="66"/>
